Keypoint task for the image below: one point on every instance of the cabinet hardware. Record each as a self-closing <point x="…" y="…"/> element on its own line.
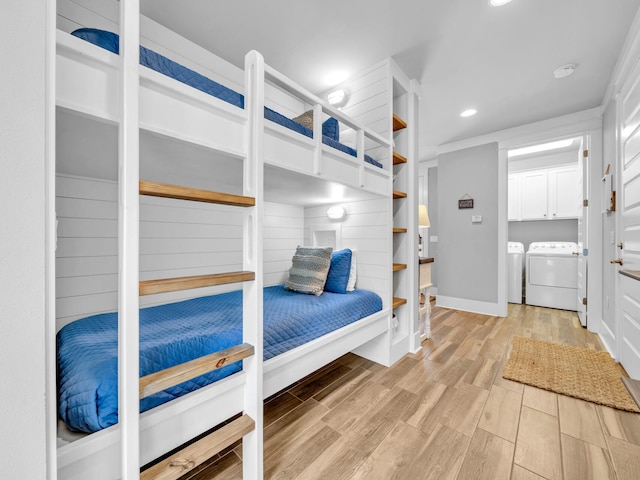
<point x="617" y="260"/>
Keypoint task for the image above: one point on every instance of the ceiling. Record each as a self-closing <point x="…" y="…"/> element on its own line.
<point x="465" y="53"/>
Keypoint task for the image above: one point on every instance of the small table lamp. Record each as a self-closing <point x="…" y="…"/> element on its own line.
<point x="423" y="221"/>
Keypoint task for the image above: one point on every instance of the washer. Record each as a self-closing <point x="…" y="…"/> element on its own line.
<point x="552" y="275"/>
<point x="516" y="269"/>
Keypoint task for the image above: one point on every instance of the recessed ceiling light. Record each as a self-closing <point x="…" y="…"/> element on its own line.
<point x="564" y="70"/>
<point x="543" y="147"/>
<point x="469" y="113"/>
<point x="498" y="3"/>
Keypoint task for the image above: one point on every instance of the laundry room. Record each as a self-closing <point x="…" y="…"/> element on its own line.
<point x="544" y="210"/>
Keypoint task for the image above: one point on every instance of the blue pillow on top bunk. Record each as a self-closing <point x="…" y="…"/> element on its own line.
<point x="107" y="40"/>
<point x="339" y="271"/>
<point x="331" y="129"/>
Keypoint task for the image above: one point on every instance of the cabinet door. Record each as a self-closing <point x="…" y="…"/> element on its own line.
<point x="513" y="197"/>
<point x="534" y="195"/>
<point x="564" y="193"/>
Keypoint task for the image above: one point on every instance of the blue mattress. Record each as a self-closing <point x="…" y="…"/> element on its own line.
<point x="161" y="64"/>
<point x="178" y="332"/>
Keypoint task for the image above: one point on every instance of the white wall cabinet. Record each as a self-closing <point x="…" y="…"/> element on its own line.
<point x="544" y="194"/>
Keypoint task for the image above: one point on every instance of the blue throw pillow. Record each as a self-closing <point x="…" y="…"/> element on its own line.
<point x="331" y="129"/>
<point x="338" y="276"/>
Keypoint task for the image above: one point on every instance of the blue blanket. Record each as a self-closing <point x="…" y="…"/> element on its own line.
<point x="110" y="41"/>
<point x="178" y="332"/>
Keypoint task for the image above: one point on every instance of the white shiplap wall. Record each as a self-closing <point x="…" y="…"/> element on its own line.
<point x="369" y="104"/>
<point x="177" y="238"/>
<point x="366" y="229"/>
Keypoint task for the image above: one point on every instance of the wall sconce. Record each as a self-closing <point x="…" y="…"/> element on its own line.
<point x="336" y="212"/>
<point x="423" y="222"/>
<point x="338" y="98"/>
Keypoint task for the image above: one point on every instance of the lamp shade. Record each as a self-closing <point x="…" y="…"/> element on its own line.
<point x="423" y="216"/>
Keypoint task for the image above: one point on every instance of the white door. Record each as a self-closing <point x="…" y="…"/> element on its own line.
<point x="583" y="248"/>
<point x="628" y="204"/>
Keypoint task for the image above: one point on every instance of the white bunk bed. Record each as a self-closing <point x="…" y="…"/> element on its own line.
<point x="87" y="80"/>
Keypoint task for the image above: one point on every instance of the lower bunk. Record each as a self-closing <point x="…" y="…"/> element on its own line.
<point x="302" y="333"/>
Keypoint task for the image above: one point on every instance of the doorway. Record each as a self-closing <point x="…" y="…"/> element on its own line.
<point x="546" y="219"/>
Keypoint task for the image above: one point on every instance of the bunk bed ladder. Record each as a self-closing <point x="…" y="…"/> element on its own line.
<point x="192" y="455"/>
<point x="249" y="425"/>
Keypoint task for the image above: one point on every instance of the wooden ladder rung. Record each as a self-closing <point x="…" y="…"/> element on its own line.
<point x="399" y="230"/>
<point x="164" y="285"/>
<point x="194" y="454"/>
<point x="155" y="189"/>
<point x="169" y="377"/>
<point x="399" y="266"/>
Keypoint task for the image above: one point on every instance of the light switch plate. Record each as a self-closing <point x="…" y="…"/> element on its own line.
<point x="433" y="239"/>
<point x="476" y="219"/>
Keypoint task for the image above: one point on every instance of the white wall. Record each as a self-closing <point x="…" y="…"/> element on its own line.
<point x="366" y="229"/>
<point x="468" y="252"/>
<point x="22" y="210"/>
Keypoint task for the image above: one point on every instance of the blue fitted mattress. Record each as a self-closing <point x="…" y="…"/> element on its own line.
<point x="178" y="332"/>
<point x="161" y="64"/>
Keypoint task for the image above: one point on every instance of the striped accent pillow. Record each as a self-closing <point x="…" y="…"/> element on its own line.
<point x="309" y="268"/>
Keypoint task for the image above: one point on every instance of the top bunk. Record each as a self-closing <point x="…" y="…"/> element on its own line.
<point x="182" y="110"/>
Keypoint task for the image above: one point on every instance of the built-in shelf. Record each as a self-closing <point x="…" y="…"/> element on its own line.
<point x="398" y="194"/>
<point x="398" y="159"/>
<point x="398" y="301"/>
<point x="399" y="266"/>
<point x="399" y="230"/>
<point x="398" y="123"/>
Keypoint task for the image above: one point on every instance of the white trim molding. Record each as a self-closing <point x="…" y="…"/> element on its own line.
<point x="473" y="306"/>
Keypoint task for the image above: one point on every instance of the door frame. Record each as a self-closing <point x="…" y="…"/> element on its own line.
<point x="591" y="129"/>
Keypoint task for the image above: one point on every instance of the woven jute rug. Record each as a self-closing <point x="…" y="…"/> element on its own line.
<point x="573" y="371"/>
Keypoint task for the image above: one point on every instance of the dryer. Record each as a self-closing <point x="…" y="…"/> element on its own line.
<point x="516" y="268"/>
<point x="552" y="275"/>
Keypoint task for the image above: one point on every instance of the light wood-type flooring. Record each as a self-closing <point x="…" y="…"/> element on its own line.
<point x="444" y="413"/>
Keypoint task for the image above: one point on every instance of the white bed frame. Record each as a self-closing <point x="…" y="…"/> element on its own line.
<point x="87" y="79"/>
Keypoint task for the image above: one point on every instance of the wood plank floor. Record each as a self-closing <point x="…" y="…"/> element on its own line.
<point x="444" y="413"/>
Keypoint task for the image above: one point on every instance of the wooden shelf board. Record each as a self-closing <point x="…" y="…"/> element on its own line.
<point x="398" y="301"/>
<point x="155" y="189"/>
<point x="151" y="287"/>
<point x="399" y="194"/>
<point x="398" y="159"/>
<point x="399" y="266"/>
<point x="398" y="123"/>
<point x="399" y="230"/>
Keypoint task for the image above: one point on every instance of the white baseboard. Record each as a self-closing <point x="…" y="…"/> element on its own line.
<point x="474" y="306"/>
